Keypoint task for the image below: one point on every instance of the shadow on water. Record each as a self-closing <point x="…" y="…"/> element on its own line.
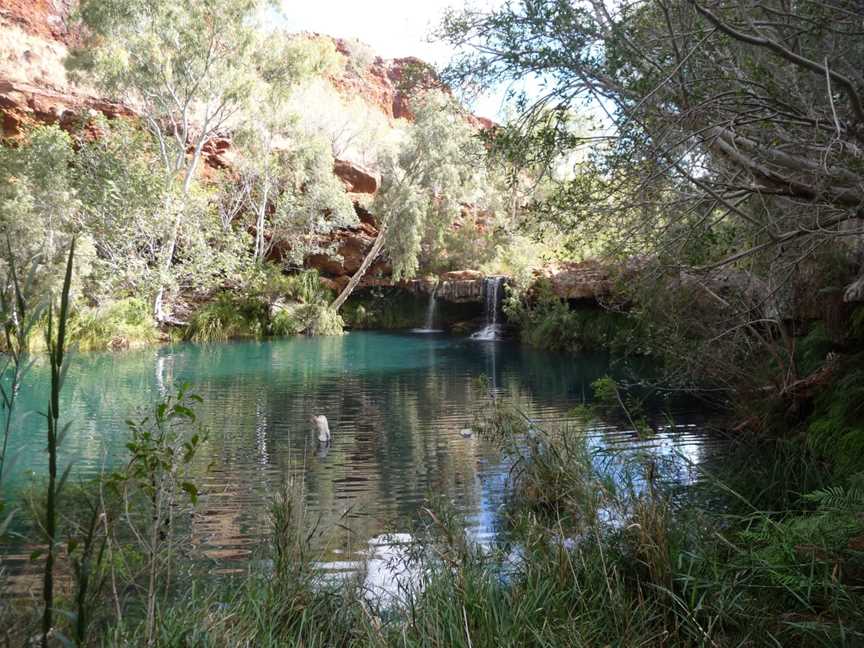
<point x="395" y="402"/>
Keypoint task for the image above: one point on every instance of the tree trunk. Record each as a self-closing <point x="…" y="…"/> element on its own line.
<point x="159" y="303"/>
<point x="370" y="257"/>
<point x="259" y="225"/>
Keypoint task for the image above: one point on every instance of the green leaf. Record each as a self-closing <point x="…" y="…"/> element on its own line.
<point x="184" y="412"/>
<point x="191" y="490"/>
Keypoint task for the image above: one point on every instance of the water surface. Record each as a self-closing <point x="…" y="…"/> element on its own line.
<point x="396" y="404"/>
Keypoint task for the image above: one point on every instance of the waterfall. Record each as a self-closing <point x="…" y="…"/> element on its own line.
<point x="429" y="325"/>
<point x="492" y="298"/>
<point x="430" y="313"/>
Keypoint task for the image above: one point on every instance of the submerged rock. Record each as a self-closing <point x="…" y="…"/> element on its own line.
<point x="322" y="428"/>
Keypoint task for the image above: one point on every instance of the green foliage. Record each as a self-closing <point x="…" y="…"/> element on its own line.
<point x="162" y="447"/>
<point x="226" y="317"/>
<point x="122" y="205"/>
<point x="56" y="343"/>
<point x="197" y="66"/>
<point x="384" y="310"/>
<point x="38" y="202"/>
<point x="161" y="450"/>
<point x="813" y="348"/>
<point x="122" y="324"/>
<point x="270" y="284"/>
<point x="326" y="322"/>
<point x="548" y="322"/>
<point x="607" y="395"/>
<point x="271" y="304"/>
<point x="424" y="184"/>
<point x="836" y="427"/>
<point x="672" y="567"/>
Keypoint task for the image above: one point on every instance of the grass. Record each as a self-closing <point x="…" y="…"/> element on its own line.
<point x="271" y="305"/>
<point x="123" y="324"/>
<point x="228" y="317"/>
<point x="595" y="549"/>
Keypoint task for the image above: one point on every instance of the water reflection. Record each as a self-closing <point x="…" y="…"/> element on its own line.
<point x="396" y="404"/>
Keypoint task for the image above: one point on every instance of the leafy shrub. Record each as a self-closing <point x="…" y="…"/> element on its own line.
<point x="270" y="284"/>
<point x="326" y="322"/>
<point x="117" y="325"/>
<point x="227" y="317"/>
<point x="547" y="321"/>
<point x="273" y="304"/>
<point x="813" y="348"/>
<point x="836" y="427"/>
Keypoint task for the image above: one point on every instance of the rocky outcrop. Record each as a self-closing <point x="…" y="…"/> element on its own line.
<point x="23" y="105"/>
<point x="377" y="81"/>
<point x="588" y="279"/>
<point x="35" y="88"/>
<point x="44" y="18"/>
<point x="455" y="287"/>
<point x="348" y="247"/>
<point x="356" y="178"/>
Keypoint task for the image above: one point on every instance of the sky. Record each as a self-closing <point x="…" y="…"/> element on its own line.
<point x="393" y="28"/>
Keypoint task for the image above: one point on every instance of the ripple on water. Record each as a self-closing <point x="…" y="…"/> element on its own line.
<point x="395" y="402"/>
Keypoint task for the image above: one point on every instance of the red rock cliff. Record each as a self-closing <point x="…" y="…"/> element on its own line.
<point x="35" y="38"/>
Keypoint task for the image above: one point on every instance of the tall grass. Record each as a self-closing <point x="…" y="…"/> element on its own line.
<point x="613" y="558"/>
<point x="272" y="304"/>
<point x="56" y="344"/>
<point x="596" y="548"/>
<point x="122" y="324"/>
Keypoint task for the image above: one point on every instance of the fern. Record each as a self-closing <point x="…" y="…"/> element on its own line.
<point x="837" y="498"/>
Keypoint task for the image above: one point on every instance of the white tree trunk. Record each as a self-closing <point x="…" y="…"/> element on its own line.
<point x="370" y="257"/>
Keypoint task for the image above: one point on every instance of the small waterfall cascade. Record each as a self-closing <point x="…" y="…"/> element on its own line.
<point x="430" y="313"/>
<point x="429" y="324"/>
<point x="493" y="295"/>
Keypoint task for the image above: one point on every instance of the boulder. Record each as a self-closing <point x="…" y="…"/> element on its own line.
<point x="350" y="245"/>
<point x="462" y="275"/>
<point x="356" y="178"/>
<point x="588" y="279"/>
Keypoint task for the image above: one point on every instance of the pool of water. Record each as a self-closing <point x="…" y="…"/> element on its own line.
<point x="395" y="402"/>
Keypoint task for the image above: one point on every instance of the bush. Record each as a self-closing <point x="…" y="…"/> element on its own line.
<point x="835" y="428"/>
<point x="117" y="325"/>
<point x="228" y="317"/>
<point x="273" y="304"/>
<point x="546" y="321"/>
<point x="628" y="556"/>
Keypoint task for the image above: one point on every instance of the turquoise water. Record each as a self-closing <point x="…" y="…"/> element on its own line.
<point x="395" y="402"/>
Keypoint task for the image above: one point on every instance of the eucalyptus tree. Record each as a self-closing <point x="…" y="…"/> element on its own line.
<point x="727" y="111"/>
<point x="188" y="69"/>
<point x="39" y="205"/>
<point x="731" y="137"/>
<point x="121" y="216"/>
<point x="285" y="174"/>
<point x="426" y="181"/>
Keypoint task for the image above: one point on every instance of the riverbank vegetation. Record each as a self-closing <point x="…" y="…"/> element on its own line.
<point x="696" y="185"/>
<point x="716" y="182"/>
<point x="596" y="546"/>
<point x="217" y="172"/>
